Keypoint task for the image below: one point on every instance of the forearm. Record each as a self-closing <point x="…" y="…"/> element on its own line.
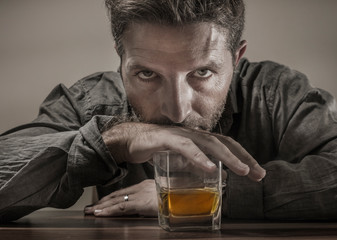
<point x="303" y="190"/>
<point x="49" y="161"/>
<point x="52" y="169"/>
<point x="30" y="164"/>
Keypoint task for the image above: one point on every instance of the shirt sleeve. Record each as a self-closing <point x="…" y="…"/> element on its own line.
<point x="301" y="178"/>
<point x="48" y="162"/>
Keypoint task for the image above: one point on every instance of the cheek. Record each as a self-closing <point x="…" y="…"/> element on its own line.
<point x="207" y="101"/>
<point x="144" y="102"/>
<point x="206" y="105"/>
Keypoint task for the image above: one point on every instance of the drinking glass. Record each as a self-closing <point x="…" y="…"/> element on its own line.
<point x="189" y="198"/>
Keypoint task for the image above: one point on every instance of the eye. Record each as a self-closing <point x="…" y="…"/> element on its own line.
<point x="146" y="75"/>
<point x="202" y="73"/>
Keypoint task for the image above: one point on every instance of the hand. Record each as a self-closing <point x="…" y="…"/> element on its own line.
<point x="142" y="200"/>
<point x="256" y="173"/>
<point x="136" y="142"/>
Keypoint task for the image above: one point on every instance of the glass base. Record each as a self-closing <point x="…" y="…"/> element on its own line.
<point x="189" y="223"/>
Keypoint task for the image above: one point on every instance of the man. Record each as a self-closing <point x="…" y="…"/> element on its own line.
<point x="183" y="86"/>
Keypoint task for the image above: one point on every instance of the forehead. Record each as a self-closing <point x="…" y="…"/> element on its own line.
<point x="174" y="38"/>
<point x="187" y="43"/>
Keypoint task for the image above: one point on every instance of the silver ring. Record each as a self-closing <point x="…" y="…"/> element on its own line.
<point x="126" y="198"/>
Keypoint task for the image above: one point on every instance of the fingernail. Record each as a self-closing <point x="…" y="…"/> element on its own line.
<point x="87" y="209"/>
<point x="244" y="167"/>
<point x="210" y="164"/>
<point x="98" y="211"/>
<point x="259" y="171"/>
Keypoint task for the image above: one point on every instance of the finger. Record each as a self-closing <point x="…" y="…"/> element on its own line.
<point x="121" y="192"/>
<point x="189" y="142"/>
<point x="256" y="171"/>
<point x="213" y="146"/>
<point x="88" y="210"/>
<point x="118" y="193"/>
<point x="231" y="161"/>
<point x="98" y="207"/>
<point x="190" y="151"/>
<point x="119" y="209"/>
<point x="231" y="153"/>
<point x="101" y="205"/>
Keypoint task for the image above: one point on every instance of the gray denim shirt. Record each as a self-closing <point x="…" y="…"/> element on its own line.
<point x="288" y="126"/>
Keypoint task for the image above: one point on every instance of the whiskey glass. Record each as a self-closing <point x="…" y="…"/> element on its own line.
<point x="189" y="198"/>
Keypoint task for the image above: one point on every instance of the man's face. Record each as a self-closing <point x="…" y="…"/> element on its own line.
<point x="176" y="75"/>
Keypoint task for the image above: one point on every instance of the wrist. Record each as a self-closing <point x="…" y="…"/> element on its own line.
<point x="115" y="142"/>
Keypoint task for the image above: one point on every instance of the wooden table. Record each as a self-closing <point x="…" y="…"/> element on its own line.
<point x="74" y="225"/>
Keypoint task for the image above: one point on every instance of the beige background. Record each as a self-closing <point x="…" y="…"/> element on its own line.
<point x="46" y="42"/>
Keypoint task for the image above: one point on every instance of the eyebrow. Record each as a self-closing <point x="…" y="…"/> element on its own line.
<point x="211" y="64"/>
<point x="132" y="67"/>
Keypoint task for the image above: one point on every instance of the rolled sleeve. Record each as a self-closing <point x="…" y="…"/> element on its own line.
<point x="90" y="162"/>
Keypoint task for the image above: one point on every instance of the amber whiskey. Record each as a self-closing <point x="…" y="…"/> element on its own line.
<point x="195" y="208"/>
<point x="188" y="202"/>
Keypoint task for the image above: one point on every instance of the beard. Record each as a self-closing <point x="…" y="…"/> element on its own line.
<point x="206" y="123"/>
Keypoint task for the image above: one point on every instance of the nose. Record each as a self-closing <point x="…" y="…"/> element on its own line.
<point x="176" y="100"/>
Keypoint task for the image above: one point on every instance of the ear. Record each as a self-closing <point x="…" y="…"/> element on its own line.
<point x="240" y="51"/>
